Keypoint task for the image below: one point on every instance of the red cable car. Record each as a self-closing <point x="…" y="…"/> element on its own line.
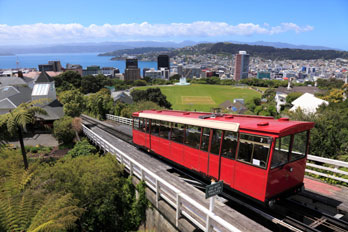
<point x="261" y="157"/>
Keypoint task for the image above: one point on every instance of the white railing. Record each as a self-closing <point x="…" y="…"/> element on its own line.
<point x="123" y="120"/>
<point x="328" y="165"/>
<point x="324" y="166"/>
<point x="184" y="205"/>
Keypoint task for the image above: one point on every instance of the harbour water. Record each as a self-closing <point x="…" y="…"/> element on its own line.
<point x="84" y="59"/>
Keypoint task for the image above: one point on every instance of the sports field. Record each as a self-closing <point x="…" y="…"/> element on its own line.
<point x="203" y="97"/>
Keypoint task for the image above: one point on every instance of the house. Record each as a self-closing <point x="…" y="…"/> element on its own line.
<point x="282" y="93"/>
<point x="43" y="88"/>
<point x="308" y="103"/>
<point x="122" y="96"/>
<point x="235" y="107"/>
<point x="12" y="96"/>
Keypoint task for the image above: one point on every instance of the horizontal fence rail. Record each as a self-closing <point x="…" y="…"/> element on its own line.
<point x="324" y="167"/>
<point x="198" y="214"/>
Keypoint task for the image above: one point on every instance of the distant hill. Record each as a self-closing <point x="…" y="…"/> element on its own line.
<point x="266" y="52"/>
<point x="90" y="47"/>
<point x="136" y="51"/>
<point x="6" y="54"/>
<point x="284" y="45"/>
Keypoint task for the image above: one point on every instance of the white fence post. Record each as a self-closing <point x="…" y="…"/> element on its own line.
<point x="178" y="209"/>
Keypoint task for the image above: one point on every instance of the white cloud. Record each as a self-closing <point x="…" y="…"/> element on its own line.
<point x="74" y="32"/>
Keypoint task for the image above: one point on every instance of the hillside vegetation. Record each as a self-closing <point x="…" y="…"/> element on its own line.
<point x="266" y="52"/>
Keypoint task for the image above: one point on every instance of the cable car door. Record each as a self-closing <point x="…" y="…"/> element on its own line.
<point x="213" y="155"/>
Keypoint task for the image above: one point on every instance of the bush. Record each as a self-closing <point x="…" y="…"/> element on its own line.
<point x="63" y="131"/>
<point x="82" y="148"/>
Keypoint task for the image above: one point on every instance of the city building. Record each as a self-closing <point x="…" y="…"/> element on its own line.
<point x="241" y="65"/>
<point x="74" y="67"/>
<point x="191" y="72"/>
<point x="132" y="71"/>
<point x="54" y="66"/>
<point x="131" y="63"/>
<point x="263" y="75"/>
<point x="153" y="74"/>
<point x="180" y="69"/>
<point x="144" y="71"/>
<point x="163" y="62"/>
<point x="91" y="70"/>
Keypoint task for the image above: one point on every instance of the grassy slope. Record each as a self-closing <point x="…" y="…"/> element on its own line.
<point x="219" y="93"/>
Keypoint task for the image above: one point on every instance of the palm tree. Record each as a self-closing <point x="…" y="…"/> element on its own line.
<point x="17" y="120"/>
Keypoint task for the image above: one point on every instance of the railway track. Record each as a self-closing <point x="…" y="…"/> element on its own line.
<point x="288" y="215"/>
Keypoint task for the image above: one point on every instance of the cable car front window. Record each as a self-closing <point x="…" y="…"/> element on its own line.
<point x="281" y="151"/>
<point x="254" y="149"/>
<point x="299" y="147"/>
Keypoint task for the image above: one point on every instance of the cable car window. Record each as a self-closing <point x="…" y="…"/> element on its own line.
<point x="229" y="144"/>
<point x="254" y="149"/>
<point x="281" y="151"/>
<point x="155" y="126"/>
<point x="136" y="123"/>
<point x="147" y="123"/>
<point x="142" y="125"/>
<point x="193" y="136"/>
<point x="164" y="130"/>
<point x="215" y="142"/>
<point x="205" y="139"/>
<point x="178" y="133"/>
<point x="299" y="146"/>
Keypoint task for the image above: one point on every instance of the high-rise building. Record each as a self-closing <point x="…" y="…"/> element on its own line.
<point x="163" y="62"/>
<point x="241" y="65"/>
<point x="132" y="71"/>
<point x="131" y="63"/>
<point x="54" y="66"/>
<point x="132" y="74"/>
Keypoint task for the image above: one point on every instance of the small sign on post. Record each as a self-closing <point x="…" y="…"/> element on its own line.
<point x="214" y="189"/>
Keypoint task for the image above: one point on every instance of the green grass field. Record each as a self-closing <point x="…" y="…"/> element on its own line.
<point x="203" y="97"/>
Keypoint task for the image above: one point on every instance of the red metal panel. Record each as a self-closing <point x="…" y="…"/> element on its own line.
<point x="191" y="158"/>
<point x="281" y="178"/>
<point x="227" y="171"/>
<point x="203" y="162"/>
<point x="138" y="137"/>
<point x="214" y="166"/>
<point x="250" y="180"/>
<point x="156" y="144"/>
<point x="176" y="152"/>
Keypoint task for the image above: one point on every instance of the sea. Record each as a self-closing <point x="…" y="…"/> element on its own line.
<point x="83" y="59"/>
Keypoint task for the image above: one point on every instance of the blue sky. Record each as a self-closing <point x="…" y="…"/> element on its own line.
<point x="307" y="22"/>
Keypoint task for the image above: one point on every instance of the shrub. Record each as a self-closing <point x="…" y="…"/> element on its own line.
<point x="82" y="148"/>
<point x="63" y="131"/>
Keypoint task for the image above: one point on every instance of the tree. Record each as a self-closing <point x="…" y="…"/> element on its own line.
<point x="140" y="83"/>
<point x="100" y="104"/>
<point x="138" y="106"/>
<point x="73" y="102"/>
<point x="92" y="84"/>
<point x="292" y="97"/>
<point x="108" y="198"/>
<point x="335" y="96"/>
<point x="24" y="207"/>
<point x="17" y="120"/>
<point x="63" y="131"/>
<point x="68" y="79"/>
<point x="82" y="148"/>
<point x="151" y="94"/>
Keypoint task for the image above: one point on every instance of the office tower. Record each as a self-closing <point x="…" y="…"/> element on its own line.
<point x="132" y="71"/>
<point x="131" y="63"/>
<point x="241" y="65"/>
<point x="163" y="62"/>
